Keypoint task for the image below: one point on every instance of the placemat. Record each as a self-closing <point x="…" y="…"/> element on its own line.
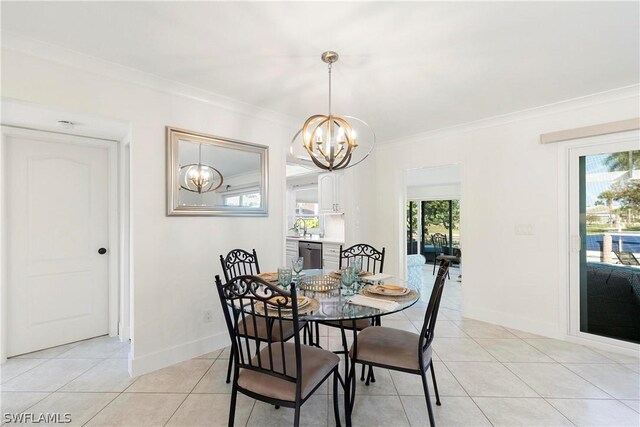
<point x="269" y="277"/>
<point x="361" y="275"/>
<point x="412" y="295"/>
<point x="313" y="305"/>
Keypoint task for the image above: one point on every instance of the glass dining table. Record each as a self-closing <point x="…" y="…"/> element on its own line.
<point x="336" y="307"/>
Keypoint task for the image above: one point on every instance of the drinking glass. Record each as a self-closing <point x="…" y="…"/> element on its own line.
<point x="284" y="277"/>
<point x="347" y="278"/>
<point x="357" y="265"/>
<point x="297" y="264"/>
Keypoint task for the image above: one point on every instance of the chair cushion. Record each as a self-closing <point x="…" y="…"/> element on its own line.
<point x="360" y="324"/>
<point x="389" y="347"/>
<point x="261" y="334"/>
<point x="316" y="365"/>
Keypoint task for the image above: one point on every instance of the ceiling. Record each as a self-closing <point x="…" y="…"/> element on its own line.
<point x="230" y="162"/>
<point x="404" y="67"/>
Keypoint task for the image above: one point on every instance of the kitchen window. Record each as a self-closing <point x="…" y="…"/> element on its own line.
<point x="248" y="200"/>
<point x="308" y="211"/>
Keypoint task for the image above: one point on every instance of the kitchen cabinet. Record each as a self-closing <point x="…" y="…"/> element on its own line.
<point x="329" y="193"/>
<point x="292" y="250"/>
<point x="330" y="256"/>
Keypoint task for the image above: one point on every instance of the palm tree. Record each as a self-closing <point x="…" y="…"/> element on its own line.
<point x="623" y="161"/>
<point x="608" y="195"/>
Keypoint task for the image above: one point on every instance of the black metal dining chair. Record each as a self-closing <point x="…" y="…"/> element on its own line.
<point x="239" y="262"/>
<point x="401" y="350"/>
<point x="372" y="259"/>
<point x="372" y="262"/>
<point x="282" y="374"/>
<point x="441" y="250"/>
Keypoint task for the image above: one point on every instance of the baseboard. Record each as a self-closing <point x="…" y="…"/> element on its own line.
<point x="616" y="346"/>
<point x="545" y="329"/>
<point x="179" y="353"/>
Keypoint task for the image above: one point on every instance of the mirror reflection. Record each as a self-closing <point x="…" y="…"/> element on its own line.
<point x="215" y="176"/>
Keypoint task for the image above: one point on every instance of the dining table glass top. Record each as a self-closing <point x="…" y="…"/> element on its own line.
<point x="334" y="305"/>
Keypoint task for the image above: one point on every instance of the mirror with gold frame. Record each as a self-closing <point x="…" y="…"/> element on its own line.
<point x="212" y="175"/>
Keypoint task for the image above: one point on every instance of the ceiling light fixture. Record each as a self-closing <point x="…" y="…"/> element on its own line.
<point x="329" y="141"/>
<point x="200" y="178"/>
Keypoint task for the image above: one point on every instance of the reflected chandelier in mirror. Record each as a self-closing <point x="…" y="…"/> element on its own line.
<point x="211" y="175"/>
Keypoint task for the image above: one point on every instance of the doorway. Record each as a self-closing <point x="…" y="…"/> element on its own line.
<point x="433" y="227"/>
<point x="61" y="258"/>
<point x="432" y="210"/>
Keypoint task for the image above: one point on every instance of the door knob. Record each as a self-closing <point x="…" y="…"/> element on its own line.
<point x="102" y="251"/>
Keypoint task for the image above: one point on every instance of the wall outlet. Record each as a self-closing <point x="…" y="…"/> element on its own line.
<point x="524" y="230"/>
<point x="207" y="316"/>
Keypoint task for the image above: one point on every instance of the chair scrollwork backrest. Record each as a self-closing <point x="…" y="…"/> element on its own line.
<point x="239" y="262"/>
<point x="246" y="299"/>
<point x="372" y="259"/>
<point x="439" y="242"/>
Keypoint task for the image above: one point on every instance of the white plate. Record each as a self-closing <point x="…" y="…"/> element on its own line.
<point x="380" y="290"/>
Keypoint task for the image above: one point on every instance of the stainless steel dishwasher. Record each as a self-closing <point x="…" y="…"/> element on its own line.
<point x="311" y="253"/>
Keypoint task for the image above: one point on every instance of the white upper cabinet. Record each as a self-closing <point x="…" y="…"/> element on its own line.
<point x="329" y="194"/>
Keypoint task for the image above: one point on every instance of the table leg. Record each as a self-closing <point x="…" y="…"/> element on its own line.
<point x="349" y="372"/>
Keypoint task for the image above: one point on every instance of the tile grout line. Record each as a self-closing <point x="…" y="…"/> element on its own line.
<point x="186" y="396"/>
<point x="596" y="386"/>
<point x="22" y="373"/>
<point x="109" y="403"/>
<point x="559" y="411"/>
<point x="404" y="410"/>
<point x="103" y="408"/>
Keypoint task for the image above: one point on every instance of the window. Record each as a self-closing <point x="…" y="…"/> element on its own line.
<point x="247" y="200"/>
<point x="428" y="217"/>
<point x="309" y="212"/>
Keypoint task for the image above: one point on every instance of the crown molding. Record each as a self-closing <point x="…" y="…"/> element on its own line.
<point x="70" y="58"/>
<point x="632" y="91"/>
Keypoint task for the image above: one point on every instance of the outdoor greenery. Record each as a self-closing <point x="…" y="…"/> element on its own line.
<point x="436" y="217"/>
<point x="437" y="214"/>
<point x="412" y="220"/>
<point x="312" y="222"/>
<point x="625" y="193"/>
<point x="620" y="161"/>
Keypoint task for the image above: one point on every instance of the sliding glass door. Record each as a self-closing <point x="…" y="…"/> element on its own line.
<point x="412" y="227"/>
<point x="429" y="218"/>
<point x="606" y="248"/>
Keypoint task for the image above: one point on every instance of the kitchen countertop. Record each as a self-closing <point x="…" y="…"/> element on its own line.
<point x="315" y="238"/>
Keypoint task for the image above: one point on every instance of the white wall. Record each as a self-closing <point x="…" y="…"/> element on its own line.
<point x="508" y="178"/>
<point x="175" y="258"/>
<point x="434" y="192"/>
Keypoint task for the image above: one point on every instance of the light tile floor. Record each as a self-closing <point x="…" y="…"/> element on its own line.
<point x="487" y="375"/>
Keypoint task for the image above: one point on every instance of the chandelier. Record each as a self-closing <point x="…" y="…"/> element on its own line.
<point x="329" y="141"/>
<point x="200" y="178"/>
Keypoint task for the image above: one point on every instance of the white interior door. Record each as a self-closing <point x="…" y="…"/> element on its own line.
<point x="57" y="219"/>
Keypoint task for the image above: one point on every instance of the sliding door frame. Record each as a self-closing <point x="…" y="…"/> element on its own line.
<point x="571" y="243"/>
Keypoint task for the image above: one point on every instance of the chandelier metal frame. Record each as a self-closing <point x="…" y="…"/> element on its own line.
<point x="200" y="182"/>
<point x="330" y="140"/>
